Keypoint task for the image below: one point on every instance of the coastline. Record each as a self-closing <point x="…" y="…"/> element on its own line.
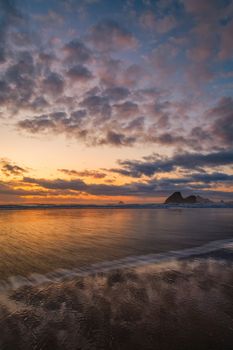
<point x="220" y="248"/>
<point x="115" y="206"/>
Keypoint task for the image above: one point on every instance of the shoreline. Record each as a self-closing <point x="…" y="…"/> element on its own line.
<point x="14" y="207"/>
<point x="61" y="274"/>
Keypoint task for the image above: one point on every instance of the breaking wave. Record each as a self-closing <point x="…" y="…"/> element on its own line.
<point x="58" y="275"/>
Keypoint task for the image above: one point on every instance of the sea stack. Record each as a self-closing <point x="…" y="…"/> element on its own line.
<point x="175" y="198"/>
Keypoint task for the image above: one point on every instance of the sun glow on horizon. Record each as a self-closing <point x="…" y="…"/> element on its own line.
<point x="127" y="103"/>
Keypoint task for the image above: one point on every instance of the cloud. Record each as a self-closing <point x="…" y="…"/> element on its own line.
<point x="117" y="139"/>
<point x="78" y="185"/>
<point x="111" y="118"/>
<point x="11" y="17"/>
<point x="77" y="52"/>
<point x="221" y="119"/>
<point x="109" y="70"/>
<point x="7" y="190"/>
<point x="126" y="109"/>
<point x="5" y="93"/>
<point x="53" y="84"/>
<point x="97" y="105"/>
<point x="116" y="93"/>
<point x="74" y="125"/>
<point x="84" y="173"/>
<point x="39" y="104"/>
<point x="109" y="35"/>
<point x="136" y="124"/>
<point x="11" y="169"/>
<point x="79" y="73"/>
<point x="12" y="192"/>
<point x="202" y="184"/>
<point x="17" y="82"/>
<point x="188" y="161"/>
<point x="197" y="181"/>
<point x="146" y="98"/>
<point x="57" y="123"/>
<point x="212" y="178"/>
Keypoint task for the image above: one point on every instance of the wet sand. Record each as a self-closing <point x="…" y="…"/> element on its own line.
<point x="178" y="304"/>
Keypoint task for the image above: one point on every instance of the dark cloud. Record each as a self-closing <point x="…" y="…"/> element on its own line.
<point x="77" y="52"/>
<point x="136" y="124"/>
<point x="57" y="122"/>
<point x="151" y="188"/>
<point x="118" y="139"/>
<point x="128" y="122"/>
<point x="10" y="169"/>
<point x="17" y="84"/>
<point x="117" y="93"/>
<point x="109" y="71"/>
<point x="8" y="192"/>
<point x="23" y="68"/>
<point x="189" y="161"/>
<point x="39" y="103"/>
<point x="213" y="178"/>
<point x="77" y="116"/>
<point x="171" y="139"/>
<point x="5" y="93"/>
<point x="46" y="59"/>
<point x="37" y="124"/>
<point x="84" y="173"/>
<point x="94" y="189"/>
<point x="97" y="105"/>
<point x="109" y="35"/>
<point x="76" y="185"/>
<point x="221" y="119"/>
<point x="10" y="16"/>
<point x="203" y="178"/>
<point x="126" y="109"/>
<point x="53" y="84"/>
<point x="79" y="73"/>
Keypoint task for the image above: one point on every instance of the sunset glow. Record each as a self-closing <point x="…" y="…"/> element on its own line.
<point x="115" y="101"/>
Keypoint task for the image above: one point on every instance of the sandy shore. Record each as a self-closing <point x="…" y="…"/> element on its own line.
<point x="180" y="304"/>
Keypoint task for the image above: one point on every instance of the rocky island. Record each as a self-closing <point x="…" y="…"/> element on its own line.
<point x="177" y="198"/>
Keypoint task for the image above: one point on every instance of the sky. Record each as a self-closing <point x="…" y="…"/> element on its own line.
<point x="104" y="101"/>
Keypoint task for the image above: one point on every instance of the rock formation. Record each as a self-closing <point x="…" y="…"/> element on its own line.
<point x="177" y="198"/>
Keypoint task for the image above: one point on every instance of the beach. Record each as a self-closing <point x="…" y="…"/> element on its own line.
<point x="178" y="304"/>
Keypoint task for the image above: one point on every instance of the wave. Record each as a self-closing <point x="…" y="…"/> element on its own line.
<point x="35" y="279"/>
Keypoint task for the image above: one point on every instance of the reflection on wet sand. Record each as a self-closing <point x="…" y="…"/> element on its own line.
<point x="175" y="305"/>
